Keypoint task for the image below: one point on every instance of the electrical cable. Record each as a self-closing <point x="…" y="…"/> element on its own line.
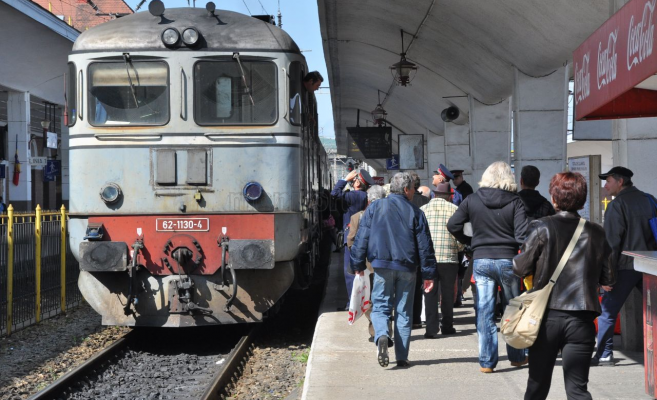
<point x="263" y="7"/>
<point x="247" y="7"/>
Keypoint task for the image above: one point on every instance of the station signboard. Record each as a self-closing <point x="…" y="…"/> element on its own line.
<point x="372" y="141"/>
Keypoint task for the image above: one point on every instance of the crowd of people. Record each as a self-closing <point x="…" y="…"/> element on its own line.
<point x="424" y="244"/>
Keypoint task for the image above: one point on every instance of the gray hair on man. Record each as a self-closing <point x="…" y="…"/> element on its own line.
<point x="400" y="181"/>
<point x="498" y="175"/>
<point x="376" y="192"/>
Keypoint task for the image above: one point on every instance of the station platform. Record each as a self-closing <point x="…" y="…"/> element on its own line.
<point x="343" y="364"/>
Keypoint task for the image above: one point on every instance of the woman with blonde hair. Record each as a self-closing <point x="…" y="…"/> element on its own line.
<point x="499" y="225"/>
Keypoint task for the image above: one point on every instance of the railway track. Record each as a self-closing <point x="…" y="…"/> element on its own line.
<point x="192" y="363"/>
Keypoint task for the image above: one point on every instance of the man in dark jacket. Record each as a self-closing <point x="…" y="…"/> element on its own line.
<point x="626" y="228"/>
<point x="462" y="189"/>
<point x="536" y="205"/>
<point x="394" y="236"/>
<point x="353" y="201"/>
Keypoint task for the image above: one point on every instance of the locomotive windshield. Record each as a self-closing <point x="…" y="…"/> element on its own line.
<point x="235" y="93"/>
<point x="128" y="93"/>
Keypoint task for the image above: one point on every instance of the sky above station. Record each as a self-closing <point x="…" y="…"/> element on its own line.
<point x="300" y="21"/>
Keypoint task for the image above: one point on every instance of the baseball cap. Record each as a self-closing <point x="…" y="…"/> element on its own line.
<point x="442" y="170"/>
<point x="617" y="170"/>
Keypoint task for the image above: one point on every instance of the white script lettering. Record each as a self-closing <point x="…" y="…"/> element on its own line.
<point x="607" y="61"/>
<point x="640" y="36"/>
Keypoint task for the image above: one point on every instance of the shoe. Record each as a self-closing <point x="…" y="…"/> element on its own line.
<point x="603" y="361"/>
<point x="448" y="331"/>
<point x="486" y="370"/>
<point x="416" y="326"/>
<point x="520" y="363"/>
<point x="430" y="336"/>
<point x="458" y="303"/>
<point x="403" y="364"/>
<point x="371" y="339"/>
<point x="382" y="354"/>
<point x="390" y="342"/>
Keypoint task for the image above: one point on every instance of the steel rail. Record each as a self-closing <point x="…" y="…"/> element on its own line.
<point x="66" y="383"/>
<point x="232" y="368"/>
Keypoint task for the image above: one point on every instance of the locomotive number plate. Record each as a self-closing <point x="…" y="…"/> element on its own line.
<point x="182" y="224"/>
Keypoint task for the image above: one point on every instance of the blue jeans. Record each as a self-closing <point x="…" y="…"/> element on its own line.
<point x="348" y="274"/>
<point x="612" y="302"/>
<point x="393" y="289"/>
<point x="489" y="273"/>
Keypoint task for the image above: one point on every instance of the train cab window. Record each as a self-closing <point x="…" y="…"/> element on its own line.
<point x="225" y="96"/>
<point x="128" y="93"/>
<point x="71" y="95"/>
<point x="296" y="77"/>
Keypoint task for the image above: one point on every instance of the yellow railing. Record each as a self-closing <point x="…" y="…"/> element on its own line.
<point x="38" y="217"/>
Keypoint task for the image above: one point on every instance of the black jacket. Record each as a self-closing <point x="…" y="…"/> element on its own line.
<point x="499" y="223"/>
<point x="627" y="227"/>
<point x="536" y="205"/>
<point x="576" y="288"/>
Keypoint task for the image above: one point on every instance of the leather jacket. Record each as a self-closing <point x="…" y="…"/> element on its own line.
<point x="576" y="289"/>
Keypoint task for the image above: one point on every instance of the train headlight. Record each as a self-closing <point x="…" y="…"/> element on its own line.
<point x="190" y="36"/>
<point x="170" y="37"/>
<point x="110" y="193"/>
<point x="252" y="191"/>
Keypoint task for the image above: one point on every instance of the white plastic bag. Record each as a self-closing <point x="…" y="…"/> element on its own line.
<point x="360" y="297"/>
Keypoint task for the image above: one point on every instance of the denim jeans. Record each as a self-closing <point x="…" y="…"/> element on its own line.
<point x="393" y="290"/>
<point x="612" y="302"/>
<point x="348" y="274"/>
<point x="489" y="273"/>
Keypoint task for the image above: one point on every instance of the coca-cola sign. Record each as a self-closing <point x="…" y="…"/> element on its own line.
<point x="582" y="79"/>
<point x="607" y="61"/>
<point x="627" y="36"/>
<point x="640" y="36"/>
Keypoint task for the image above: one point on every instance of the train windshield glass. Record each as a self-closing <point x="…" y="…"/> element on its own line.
<point x="235" y="93"/>
<point x="128" y="93"/>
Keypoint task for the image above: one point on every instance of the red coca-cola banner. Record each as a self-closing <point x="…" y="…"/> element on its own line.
<point x="615" y="59"/>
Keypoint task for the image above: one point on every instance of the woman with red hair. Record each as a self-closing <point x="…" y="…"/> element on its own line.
<point x="568" y="322"/>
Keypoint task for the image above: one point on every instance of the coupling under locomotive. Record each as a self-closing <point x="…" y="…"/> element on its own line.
<point x="195" y="167"/>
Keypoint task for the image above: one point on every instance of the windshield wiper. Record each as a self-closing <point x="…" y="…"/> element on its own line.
<point x="236" y="56"/>
<point x="126" y="60"/>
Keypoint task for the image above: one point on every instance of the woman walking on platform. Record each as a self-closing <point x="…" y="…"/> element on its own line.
<point x="499" y="224"/>
<point x="568" y="322"/>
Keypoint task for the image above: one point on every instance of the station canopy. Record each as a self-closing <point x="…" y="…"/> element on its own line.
<point x="462" y="48"/>
<point x="615" y="67"/>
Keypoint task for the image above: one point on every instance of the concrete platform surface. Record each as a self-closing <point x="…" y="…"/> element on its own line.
<point x="343" y="364"/>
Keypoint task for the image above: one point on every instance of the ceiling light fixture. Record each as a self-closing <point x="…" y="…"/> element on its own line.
<point x="404" y="71"/>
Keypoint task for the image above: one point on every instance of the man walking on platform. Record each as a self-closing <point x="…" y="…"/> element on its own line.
<point x="394" y="236"/>
<point x="353" y="201"/>
<point x="438" y="212"/>
<point x="626" y="228"/>
<point x="536" y="205"/>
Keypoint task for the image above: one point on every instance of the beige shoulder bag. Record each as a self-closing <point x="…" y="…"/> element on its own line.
<point x="523" y="316"/>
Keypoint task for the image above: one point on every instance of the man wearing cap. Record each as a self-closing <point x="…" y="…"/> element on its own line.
<point x="353" y="201"/>
<point x="626" y="228"/>
<point x="442" y="174"/>
<point x="462" y="189"/>
<point x="438" y="211"/>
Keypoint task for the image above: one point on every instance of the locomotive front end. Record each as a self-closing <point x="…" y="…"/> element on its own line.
<point x="194" y="171"/>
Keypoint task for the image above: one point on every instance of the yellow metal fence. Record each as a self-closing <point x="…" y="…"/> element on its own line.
<point x="38" y="274"/>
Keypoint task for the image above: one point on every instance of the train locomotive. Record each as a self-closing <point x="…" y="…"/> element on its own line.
<point x="195" y="167"/>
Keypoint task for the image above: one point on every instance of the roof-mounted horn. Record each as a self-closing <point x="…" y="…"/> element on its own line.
<point x="156" y="8"/>
<point x="210" y="7"/>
